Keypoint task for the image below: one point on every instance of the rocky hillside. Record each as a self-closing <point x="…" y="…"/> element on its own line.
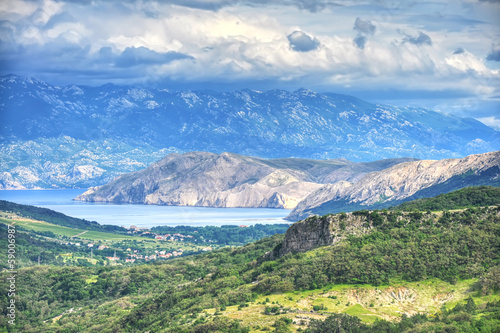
<point x="318" y="231"/>
<point x="229" y="180"/>
<point x="402" y="182"/>
<point x="64" y="162"/>
<point x="267" y="124"/>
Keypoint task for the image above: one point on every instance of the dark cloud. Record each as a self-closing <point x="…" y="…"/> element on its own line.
<point x="106" y="55"/>
<point x="133" y="56"/>
<point x="302" y="42"/>
<point x="59" y="18"/>
<point x="364" y="27"/>
<point x="360" y="41"/>
<point x="421" y="39"/>
<point x="459" y="51"/>
<point x="494" y="55"/>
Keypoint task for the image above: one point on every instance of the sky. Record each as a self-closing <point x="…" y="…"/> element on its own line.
<point x="444" y="55"/>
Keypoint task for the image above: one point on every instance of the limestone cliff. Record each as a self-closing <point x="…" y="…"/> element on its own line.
<point x="401" y="182"/>
<point x="318" y="231"/>
<point x="229" y="180"/>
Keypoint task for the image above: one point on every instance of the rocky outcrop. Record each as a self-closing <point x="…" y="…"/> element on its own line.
<point x="228" y="180"/>
<point x="316" y="231"/>
<point x="401" y="182"/>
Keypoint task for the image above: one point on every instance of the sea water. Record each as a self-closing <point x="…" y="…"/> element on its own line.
<point x="142" y="215"/>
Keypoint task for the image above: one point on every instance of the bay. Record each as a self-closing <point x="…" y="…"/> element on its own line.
<point x="143" y="215"/>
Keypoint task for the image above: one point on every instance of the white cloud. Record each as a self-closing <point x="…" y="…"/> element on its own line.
<point x="17" y="8"/>
<point x="491" y="121"/>
<point x="465" y="62"/>
<point x="229" y="41"/>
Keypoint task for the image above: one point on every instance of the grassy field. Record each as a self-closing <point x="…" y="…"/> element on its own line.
<point x="86" y="236"/>
<point x="369" y="303"/>
<point x="68" y="232"/>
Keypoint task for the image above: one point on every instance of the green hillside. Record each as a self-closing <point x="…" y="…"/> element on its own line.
<point x="48" y="215"/>
<point x="413" y="272"/>
<point x="480" y="196"/>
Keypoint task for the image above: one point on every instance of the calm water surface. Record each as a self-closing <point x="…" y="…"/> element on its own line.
<point x="143" y="215"/>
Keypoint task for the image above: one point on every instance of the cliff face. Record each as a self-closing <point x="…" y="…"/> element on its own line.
<point x="228" y="180"/>
<point x="317" y="231"/>
<point x="400" y="183"/>
<point x="206" y="179"/>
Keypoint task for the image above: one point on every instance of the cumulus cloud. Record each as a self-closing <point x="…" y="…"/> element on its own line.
<point x="421" y="39"/>
<point x="302" y="42"/>
<point x="466" y="62"/>
<point x="494" y="55"/>
<point x="235" y="43"/>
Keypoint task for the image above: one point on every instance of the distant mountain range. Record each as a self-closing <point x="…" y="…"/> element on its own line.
<point x="78" y="136"/>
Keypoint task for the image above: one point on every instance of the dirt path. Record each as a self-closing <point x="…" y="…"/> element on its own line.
<point x="81" y="233"/>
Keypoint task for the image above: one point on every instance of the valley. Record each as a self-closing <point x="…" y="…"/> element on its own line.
<point x="381" y="269"/>
<point x="362" y="255"/>
<point x="216" y="166"/>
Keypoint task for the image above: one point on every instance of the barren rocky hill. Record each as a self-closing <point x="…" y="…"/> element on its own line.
<point x="401" y="182"/>
<point x="229" y="180"/>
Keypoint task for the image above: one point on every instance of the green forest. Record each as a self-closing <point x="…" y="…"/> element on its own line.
<point x="364" y="283"/>
<point x="226" y="234"/>
<point x="465" y="198"/>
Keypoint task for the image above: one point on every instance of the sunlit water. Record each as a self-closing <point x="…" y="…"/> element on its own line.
<point x="143" y="215"/>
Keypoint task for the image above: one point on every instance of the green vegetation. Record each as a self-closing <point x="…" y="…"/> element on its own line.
<point x="67" y="241"/>
<point x="62" y="246"/>
<point x="48" y="215"/>
<point x="464" y="198"/>
<point x="413" y="272"/>
<point x="409" y="246"/>
<point x="464" y="317"/>
<point x="226" y="234"/>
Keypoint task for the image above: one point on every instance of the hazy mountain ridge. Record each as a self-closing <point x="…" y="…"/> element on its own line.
<point x="402" y="182"/>
<point x="268" y="124"/>
<point x="65" y="162"/>
<point x="228" y="180"/>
